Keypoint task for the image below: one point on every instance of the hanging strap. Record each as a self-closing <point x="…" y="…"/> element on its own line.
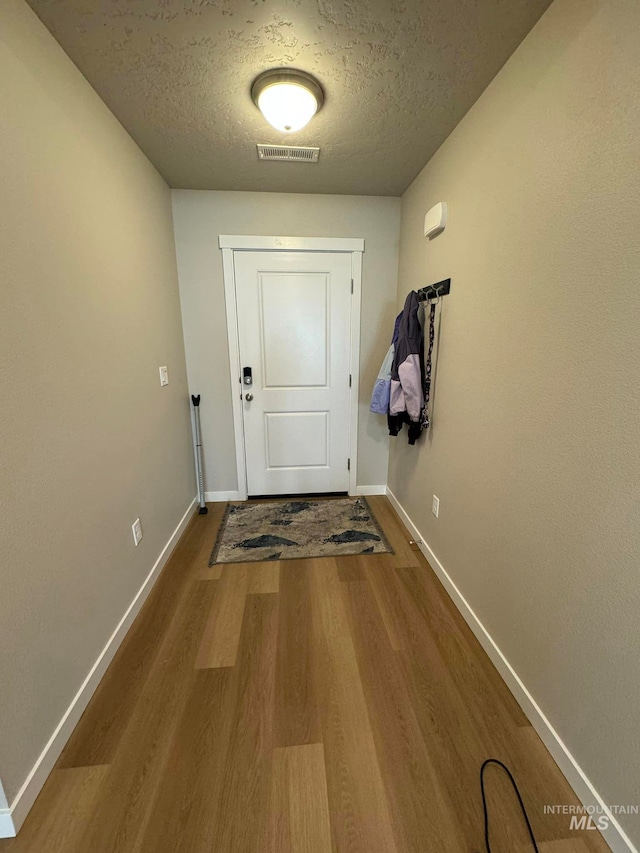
<point x="425" y="419"/>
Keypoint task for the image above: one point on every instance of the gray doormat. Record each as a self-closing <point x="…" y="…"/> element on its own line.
<point x="293" y="530"/>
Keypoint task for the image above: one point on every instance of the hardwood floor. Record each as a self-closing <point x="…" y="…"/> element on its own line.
<point x="306" y="706"/>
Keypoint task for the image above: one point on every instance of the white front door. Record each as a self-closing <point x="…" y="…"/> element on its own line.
<point x="294" y="321"/>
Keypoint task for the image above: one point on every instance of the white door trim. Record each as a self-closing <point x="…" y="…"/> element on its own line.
<point x="229" y="244"/>
<point x="354" y="366"/>
<point x="228" y="269"/>
<point x="299" y="244"/>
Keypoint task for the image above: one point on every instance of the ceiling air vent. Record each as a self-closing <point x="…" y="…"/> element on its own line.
<point x="287" y="152"/>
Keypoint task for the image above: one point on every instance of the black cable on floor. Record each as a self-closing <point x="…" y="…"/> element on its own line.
<point x="484" y="802"/>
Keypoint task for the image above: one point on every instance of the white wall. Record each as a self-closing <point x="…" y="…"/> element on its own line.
<point x="90" y="309"/>
<point x="199" y="218"/>
<point x="535" y="446"/>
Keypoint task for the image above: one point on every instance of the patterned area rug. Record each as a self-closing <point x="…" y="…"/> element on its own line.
<point x="279" y="530"/>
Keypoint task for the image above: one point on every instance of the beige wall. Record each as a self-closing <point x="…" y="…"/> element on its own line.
<point x="534" y="451"/>
<point x="90" y="441"/>
<point x="199" y="218"/>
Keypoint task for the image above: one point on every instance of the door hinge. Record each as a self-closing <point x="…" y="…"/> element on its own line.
<point x="348" y="464"/>
<point x="349" y="380"/>
<point x="351" y="285"/>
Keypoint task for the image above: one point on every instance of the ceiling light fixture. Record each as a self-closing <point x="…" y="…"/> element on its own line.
<point x="287" y="98"/>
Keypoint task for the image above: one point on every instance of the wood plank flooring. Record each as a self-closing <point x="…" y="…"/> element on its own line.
<point x="305" y="706"/>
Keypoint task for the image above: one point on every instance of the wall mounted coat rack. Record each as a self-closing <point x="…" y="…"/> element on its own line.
<point x="432" y="291"/>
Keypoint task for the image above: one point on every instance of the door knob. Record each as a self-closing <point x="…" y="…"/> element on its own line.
<point x="248" y="397"/>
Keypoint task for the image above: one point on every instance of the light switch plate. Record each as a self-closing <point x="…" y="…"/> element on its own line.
<point x="136" y="528"/>
<point x="164" y="376"/>
<point x="435" y="506"/>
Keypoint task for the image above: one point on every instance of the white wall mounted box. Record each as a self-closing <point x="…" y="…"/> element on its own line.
<point x="436" y="219"/>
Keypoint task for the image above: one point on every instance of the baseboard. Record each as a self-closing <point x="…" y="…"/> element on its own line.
<point x="7" y="829"/>
<point x="216" y="497"/>
<point x="12" y="819"/>
<point x="615" y="836"/>
<point x="7" y="826"/>
<point x="371" y="490"/>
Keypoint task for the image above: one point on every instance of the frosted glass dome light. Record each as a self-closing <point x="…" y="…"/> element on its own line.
<point x="288" y="99"/>
<point x="287" y="106"/>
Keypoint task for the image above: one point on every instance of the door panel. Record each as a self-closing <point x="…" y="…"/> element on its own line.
<point x="297" y="439"/>
<point x="305" y="298"/>
<point x="294" y="320"/>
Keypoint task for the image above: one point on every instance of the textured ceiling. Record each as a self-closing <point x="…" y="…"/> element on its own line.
<point x="398" y="76"/>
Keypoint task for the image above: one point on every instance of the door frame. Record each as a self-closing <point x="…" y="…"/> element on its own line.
<point x="229" y="244"/>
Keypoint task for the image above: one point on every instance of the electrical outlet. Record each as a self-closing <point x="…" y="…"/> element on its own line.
<point x="435" y="506"/>
<point x="164" y="376"/>
<point x="136" y="528"/>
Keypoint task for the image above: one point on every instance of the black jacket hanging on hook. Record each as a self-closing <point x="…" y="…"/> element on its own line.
<point x="407" y="373"/>
<point x="407" y="415"/>
<point x="404" y="393"/>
